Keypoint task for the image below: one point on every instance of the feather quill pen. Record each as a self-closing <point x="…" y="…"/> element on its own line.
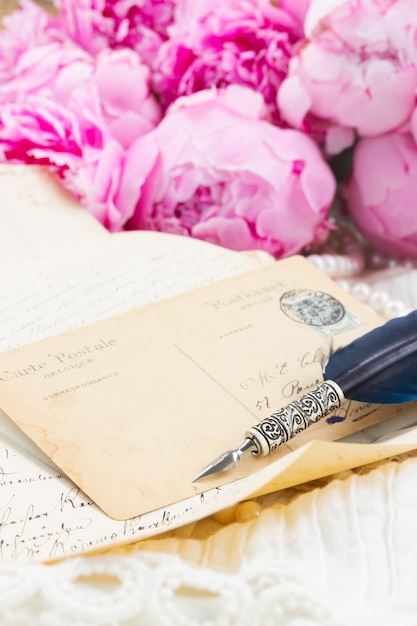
<point x="379" y="367"/>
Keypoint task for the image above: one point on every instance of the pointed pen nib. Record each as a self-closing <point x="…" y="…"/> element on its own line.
<point x="227" y="460"/>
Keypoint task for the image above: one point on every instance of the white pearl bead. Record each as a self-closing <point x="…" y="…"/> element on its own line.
<point x="337" y="265"/>
<point x="358" y="261"/>
<point x="347" y="266"/>
<point x="330" y="265"/>
<point x="342" y="266"/>
<point x="394" y="308"/>
<point x="378" y="300"/>
<point x="316" y="260"/>
<point x="344" y="284"/>
<point x="377" y="261"/>
<point x="361" y="291"/>
<point x="393" y="262"/>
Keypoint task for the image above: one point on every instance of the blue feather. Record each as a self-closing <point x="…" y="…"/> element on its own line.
<point x="381" y="366"/>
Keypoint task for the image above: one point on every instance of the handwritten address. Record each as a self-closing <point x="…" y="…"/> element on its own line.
<point x="278" y="377"/>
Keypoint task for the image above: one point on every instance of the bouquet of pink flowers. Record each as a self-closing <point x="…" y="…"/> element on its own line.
<point x="221" y="119"/>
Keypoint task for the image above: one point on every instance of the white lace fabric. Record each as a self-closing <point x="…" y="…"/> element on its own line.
<point x="344" y="554"/>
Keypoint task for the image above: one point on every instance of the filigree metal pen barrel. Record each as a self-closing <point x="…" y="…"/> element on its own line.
<point x="380" y="367"/>
<point x="281" y="426"/>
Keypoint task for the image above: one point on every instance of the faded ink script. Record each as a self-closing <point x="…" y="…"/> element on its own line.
<point x="43" y="515"/>
<point x="116" y="275"/>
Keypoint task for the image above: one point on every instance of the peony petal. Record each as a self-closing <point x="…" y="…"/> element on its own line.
<point x="238" y="182"/>
<point x="382" y="193"/>
<point x="294" y="101"/>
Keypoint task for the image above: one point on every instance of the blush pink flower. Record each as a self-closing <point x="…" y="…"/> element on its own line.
<point x="214" y="43"/>
<point x="62" y="108"/>
<point x="52" y="70"/>
<point x="108" y="182"/>
<point x="223" y="174"/>
<point x="68" y="75"/>
<point x="382" y="193"/>
<point x="28" y="27"/>
<point x="89" y="161"/>
<point x="123" y="84"/>
<point x="353" y="72"/>
<point x="99" y="24"/>
<point x="40" y="131"/>
<point x="298" y="9"/>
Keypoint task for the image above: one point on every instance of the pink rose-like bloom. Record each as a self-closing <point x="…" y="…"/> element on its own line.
<point x="99" y="24"/>
<point x="52" y="70"/>
<point x="108" y="182"/>
<point x="298" y="9"/>
<point x="63" y="108"/>
<point x="354" y="71"/>
<point x="43" y="132"/>
<point x="123" y="86"/>
<point x="68" y="75"/>
<point x="382" y="193"/>
<point x="89" y="162"/>
<point x="28" y="27"/>
<point x="214" y="43"/>
<point x="223" y="174"/>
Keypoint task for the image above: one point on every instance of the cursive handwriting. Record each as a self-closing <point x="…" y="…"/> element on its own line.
<point x="294" y="388"/>
<point x="264" y="377"/>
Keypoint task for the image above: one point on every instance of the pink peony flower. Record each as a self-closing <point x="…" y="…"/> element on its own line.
<point x="90" y="163"/>
<point x="298" y="9"/>
<point x="63" y="108"/>
<point x="128" y="104"/>
<point x="65" y="74"/>
<point x="354" y="72"/>
<point x="41" y="131"/>
<point x="223" y="174"/>
<point x="214" y="43"/>
<point x="52" y="70"/>
<point x="108" y="182"/>
<point x="28" y="27"/>
<point x="382" y="193"/>
<point x="99" y="24"/>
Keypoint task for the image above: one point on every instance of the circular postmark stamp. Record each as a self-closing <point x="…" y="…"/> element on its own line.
<point x="312" y="307"/>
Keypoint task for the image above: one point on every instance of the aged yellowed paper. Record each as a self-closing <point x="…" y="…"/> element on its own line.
<point x="39" y="218"/>
<point x="130" y="408"/>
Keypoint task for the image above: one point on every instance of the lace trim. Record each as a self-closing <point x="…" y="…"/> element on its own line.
<point x="154" y="590"/>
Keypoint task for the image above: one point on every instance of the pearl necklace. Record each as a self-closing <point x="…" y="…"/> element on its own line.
<point x="346" y="269"/>
<point x="379" y="301"/>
